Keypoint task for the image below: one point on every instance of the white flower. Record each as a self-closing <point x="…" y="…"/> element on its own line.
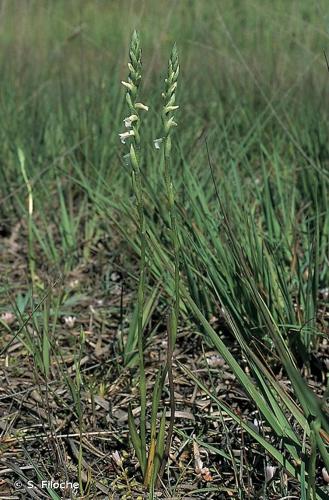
<point x="129" y="86"/>
<point x="69" y="321"/>
<point x="157" y="142"/>
<point x="170" y="108"/>
<point x="140" y="105"/>
<point x="129" y="120"/>
<point x="269" y="472"/>
<point x="171" y="122"/>
<point x="124" y="136"/>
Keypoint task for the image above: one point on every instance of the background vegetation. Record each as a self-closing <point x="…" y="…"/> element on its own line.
<point x="250" y="170"/>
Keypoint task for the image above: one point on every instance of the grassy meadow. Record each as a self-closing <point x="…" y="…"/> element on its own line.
<point x="164" y="310"/>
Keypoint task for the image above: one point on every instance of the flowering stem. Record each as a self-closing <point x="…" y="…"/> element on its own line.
<point x="169" y="96"/>
<point x="133" y="121"/>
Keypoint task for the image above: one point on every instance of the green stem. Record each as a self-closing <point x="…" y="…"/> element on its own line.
<point x="174" y="315"/>
<point x="138" y="188"/>
<point x="142" y="380"/>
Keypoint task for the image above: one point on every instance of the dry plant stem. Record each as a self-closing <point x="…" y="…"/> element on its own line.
<point x="169" y="107"/>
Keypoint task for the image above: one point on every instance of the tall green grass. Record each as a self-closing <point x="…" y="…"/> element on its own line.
<point x="245" y="234"/>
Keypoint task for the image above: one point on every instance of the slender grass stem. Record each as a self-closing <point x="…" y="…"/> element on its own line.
<point x="31" y="255"/>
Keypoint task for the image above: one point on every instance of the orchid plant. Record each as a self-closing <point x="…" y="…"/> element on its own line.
<point x="153" y="457"/>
